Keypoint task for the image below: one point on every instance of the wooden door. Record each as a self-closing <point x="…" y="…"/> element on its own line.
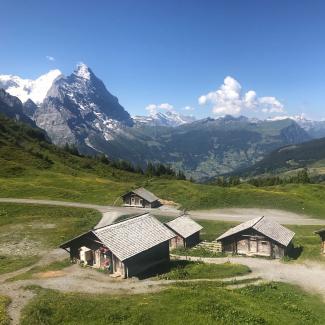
<point x="253" y="246"/>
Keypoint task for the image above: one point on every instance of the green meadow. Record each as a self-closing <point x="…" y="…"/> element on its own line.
<point x="185" y="303"/>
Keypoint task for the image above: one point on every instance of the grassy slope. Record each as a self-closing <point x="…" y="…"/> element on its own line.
<point x="4" y="302"/>
<point x="200" y="303"/>
<point x="39" y="228"/>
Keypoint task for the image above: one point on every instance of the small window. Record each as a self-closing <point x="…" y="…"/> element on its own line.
<point x="264" y="243"/>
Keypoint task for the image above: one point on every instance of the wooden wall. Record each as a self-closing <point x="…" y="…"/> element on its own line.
<point x="251" y="243"/>
<point x="153" y="257"/>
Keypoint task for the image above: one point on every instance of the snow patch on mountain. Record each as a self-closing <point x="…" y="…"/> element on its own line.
<point x="25" y="89"/>
<point x="168" y="118"/>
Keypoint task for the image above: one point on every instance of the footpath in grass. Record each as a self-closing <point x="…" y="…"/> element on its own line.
<point x="28" y="231"/>
<point x="37" y="271"/>
<point x="4" y="318"/>
<point x="187" y="270"/>
<point x="186" y="303"/>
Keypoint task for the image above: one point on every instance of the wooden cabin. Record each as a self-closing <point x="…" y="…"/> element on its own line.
<point x="187" y="232"/>
<point x="125" y="249"/>
<point x="257" y="237"/>
<point x="321" y="234"/>
<point x="140" y="198"/>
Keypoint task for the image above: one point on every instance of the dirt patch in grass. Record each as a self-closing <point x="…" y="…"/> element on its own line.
<point x="49" y="274"/>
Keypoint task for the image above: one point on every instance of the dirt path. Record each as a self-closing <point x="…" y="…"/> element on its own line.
<point x="244" y="214"/>
<point x="310" y="276"/>
<point x="111" y="213"/>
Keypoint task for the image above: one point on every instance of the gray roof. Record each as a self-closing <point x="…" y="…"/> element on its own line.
<point x="145" y="194"/>
<point x="265" y="226"/>
<point x="133" y="236"/>
<point x="184" y="226"/>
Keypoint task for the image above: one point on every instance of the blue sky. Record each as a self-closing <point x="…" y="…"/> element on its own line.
<point x="154" y="52"/>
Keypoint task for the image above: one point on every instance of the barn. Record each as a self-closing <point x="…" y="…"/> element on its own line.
<point x="140" y="198"/>
<point x="321" y="234"/>
<point x="127" y="248"/>
<point x="187" y="232"/>
<point x="257" y="237"/>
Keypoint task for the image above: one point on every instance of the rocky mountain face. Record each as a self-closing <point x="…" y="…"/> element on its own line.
<point x="78" y="107"/>
<point x="168" y="118"/>
<point x="12" y="107"/>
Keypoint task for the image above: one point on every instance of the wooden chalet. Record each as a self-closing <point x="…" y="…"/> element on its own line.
<point x="257" y="237"/>
<point x="140" y="198"/>
<point x="126" y="249"/>
<point x="187" y="232"/>
<point x="321" y="234"/>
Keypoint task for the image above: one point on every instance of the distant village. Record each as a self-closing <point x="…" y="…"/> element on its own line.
<point x="142" y="243"/>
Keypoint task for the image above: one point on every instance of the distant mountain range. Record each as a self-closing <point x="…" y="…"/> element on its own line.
<point x="169" y="118"/>
<point x="78" y="109"/>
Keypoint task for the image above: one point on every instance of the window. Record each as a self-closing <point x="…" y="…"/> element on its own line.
<point x="264" y="243"/>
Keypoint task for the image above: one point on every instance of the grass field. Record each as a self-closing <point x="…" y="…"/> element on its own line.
<point x="28" y="231"/>
<point x="185" y="270"/>
<point x="187" y="303"/>
<point x="4" y="302"/>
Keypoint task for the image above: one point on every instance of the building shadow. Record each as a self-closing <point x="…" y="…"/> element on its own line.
<point x="294" y="252"/>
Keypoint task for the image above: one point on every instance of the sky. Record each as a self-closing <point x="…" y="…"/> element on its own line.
<point x="207" y="58"/>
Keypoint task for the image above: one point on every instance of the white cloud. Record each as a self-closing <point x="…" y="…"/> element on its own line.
<point x="228" y="99"/>
<point x="154" y="108"/>
<point x="188" y="108"/>
<point x="50" y="58"/>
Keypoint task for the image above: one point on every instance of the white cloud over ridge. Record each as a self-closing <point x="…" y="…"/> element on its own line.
<point x="229" y="99"/>
<point x="154" y="108"/>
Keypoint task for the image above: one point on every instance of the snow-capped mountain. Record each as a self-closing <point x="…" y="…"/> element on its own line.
<point x="315" y="128"/>
<point x="78" y="108"/>
<point x="25" y="89"/>
<point x="168" y="118"/>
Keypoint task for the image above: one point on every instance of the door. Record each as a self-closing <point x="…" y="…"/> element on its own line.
<point x="252" y="246"/>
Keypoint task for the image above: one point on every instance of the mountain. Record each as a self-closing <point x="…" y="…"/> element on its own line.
<point x="79" y="107"/>
<point x="12" y="107"/>
<point x="169" y="118"/>
<point x="316" y="129"/>
<point x="309" y="154"/>
<point x="25" y="89"/>
<point x="204" y="148"/>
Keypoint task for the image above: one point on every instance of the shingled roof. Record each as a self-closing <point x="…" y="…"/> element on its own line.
<point x="184" y="226"/>
<point x="145" y="194"/>
<point x="265" y="226"/>
<point x="131" y="237"/>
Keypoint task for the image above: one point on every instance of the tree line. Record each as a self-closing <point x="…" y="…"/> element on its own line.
<point x="302" y="177"/>
<point x="150" y="170"/>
